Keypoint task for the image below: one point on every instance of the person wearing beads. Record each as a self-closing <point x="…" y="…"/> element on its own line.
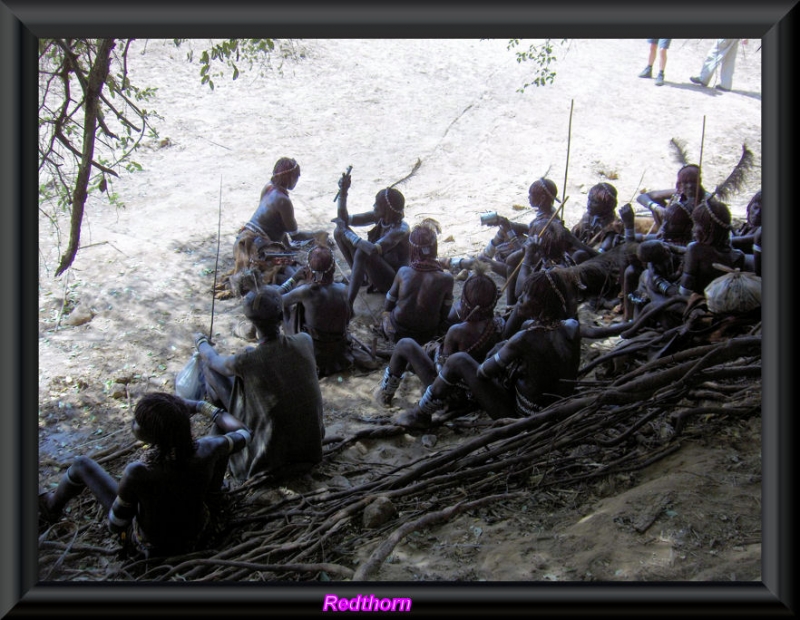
<point x="533" y="368"/>
<point x="476" y="333"/>
<point x="319" y="307"/>
<point x="160" y="503"/>
<point x="274" y="219"/>
<point x="672" y="212"/>
<point x="748" y="236"/>
<point x="547" y="231"/>
<point x="418" y="302"/>
<point x="504" y="250"/>
<point x="672" y="208"/>
<point x="600" y="227"/>
<point x="273" y="388"/>
<point x="711" y="246"/>
<point x="376" y="259"/>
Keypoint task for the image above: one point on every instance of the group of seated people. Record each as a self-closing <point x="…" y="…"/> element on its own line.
<point x="265" y="402"/>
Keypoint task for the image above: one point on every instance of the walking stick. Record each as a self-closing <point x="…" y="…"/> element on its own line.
<point x="216" y="264"/>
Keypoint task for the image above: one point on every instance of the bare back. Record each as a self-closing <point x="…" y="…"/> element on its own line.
<point x="423" y="298"/>
<point x="170" y="496"/>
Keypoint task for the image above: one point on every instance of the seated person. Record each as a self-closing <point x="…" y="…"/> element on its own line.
<point x="672" y="208"/>
<point x="535" y="367"/>
<point x="599" y="228"/>
<point x="418" y="303"/>
<point x="672" y="211"/>
<point x="712" y="246"/>
<point x="376" y="259"/>
<point x="510" y="236"/>
<point x="273" y="388"/>
<point x="159" y="503"/>
<point x="659" y="280"/>
<point x="744" y="238"/>
<point x="319" y="307"/>
<point x="476" y="332"/>
<point x="273" y="220"/>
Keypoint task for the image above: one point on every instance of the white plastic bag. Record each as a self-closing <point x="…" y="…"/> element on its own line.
<point x="188" y="382"/>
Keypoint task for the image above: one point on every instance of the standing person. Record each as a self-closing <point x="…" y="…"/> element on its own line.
<point x="418" y="302"/>
<point x="159" y="503"/>
<point x="273" y="388"/>
<point x="659" y="46"/>
<point x="722" y="55"/>
<point x="376" y="259"/>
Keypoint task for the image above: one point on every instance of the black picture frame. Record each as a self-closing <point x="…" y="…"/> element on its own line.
<point x="21" y="23"/>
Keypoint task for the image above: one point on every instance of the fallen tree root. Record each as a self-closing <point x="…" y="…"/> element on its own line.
<point x="376" y="559"/>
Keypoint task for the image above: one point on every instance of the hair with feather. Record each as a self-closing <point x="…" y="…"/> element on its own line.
<point x="431" y="223"/>
<point x="679" y="151"/>
<point x="737" y="177"/>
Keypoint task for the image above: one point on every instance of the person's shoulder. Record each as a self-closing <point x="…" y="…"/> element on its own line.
<point x="300" y="339"/>
<point x="137" y="471"/>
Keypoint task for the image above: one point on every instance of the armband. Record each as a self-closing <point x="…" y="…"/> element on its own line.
<point x="391" y="298"/>
<point x="210" y="410"/>
<point x="379" y="249"/>
<point x="500" y="362"/>
<point x="287" y="286"/>
<point x="652" y="204"/>
<point x="481" y="372"/>
<point x="756" y="248"/>
<point x="445" y="381"/>
<point x="352" y="237"/>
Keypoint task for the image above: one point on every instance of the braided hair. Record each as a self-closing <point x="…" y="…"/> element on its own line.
<point x="164" y="419"/>
<point x="393" y="204"/>
<point x="542" y="194"/>
<point x="602" y="199"/>
<point x="424" y="248"/>
<point x="712" y="224"/>
<point x="545" y="297"/>
<point x="283" y="171"/>
<point x="479" y="296"/>
<point x="320" y="261"/>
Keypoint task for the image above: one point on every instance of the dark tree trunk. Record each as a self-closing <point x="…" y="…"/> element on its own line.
<point x="97" y="79"/>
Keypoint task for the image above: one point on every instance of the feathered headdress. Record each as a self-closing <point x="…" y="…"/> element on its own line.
<point x="737" y="177"/>
<point x="679" y="151"/>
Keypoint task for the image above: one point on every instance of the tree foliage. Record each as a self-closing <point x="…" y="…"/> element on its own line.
<point x="264" y="55"/>
<point x="91" y="121"/>
<point x="92" y="118"/>
<point x="541" y="55"/>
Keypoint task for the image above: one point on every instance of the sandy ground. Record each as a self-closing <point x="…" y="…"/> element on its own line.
<point x="141" y="284"/>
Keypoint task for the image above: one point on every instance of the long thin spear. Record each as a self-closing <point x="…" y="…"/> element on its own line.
<point x="563" y="202"/>
<point x="700" y="163"/>
<point x="216" y="264"/>
<point x="560" y="209"/>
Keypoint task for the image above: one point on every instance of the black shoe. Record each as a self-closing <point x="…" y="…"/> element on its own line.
<point x="647" y="73"/>
<point x="696" y="80"/>
<point x="723" y="89"/>
<point x="660" y="79"/>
